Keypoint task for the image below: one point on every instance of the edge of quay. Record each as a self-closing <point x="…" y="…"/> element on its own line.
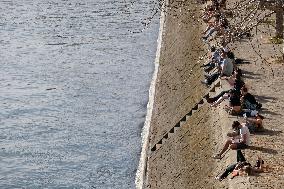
<point x="141" y="174"/>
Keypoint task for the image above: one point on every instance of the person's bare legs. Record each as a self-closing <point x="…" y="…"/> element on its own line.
<point x="225" y="96"/>
<point x="207" y="29"/>
<point x="228" y="144"/>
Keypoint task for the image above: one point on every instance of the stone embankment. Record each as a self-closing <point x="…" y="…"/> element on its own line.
<point x="185" y="131"/>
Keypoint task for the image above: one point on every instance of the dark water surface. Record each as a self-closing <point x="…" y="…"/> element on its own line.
<point x="74" y="86"/>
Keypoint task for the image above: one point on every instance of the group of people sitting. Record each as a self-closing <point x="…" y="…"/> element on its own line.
<point x="217" y="23"/>
<point x="223" y="64"/>
<point x="222" y="61"/>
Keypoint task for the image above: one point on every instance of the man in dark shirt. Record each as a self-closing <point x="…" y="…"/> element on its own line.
<point x="248" y="100"/>
<point x="234" y="100"/>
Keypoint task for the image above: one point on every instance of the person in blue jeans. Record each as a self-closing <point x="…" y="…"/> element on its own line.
<point x="242" y="167"/>
<point x="241" y="161"/>
<point x="224" y="69"/>
<point x="214" y="60"/>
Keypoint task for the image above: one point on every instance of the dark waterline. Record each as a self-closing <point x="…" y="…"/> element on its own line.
<point x="74" y="84"/>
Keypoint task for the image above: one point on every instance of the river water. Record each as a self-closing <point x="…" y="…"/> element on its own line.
<point x="74" y="82"/>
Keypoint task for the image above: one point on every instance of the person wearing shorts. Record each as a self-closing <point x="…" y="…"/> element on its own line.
<point x="238" y="141"/>
<point x="239" y="144"/>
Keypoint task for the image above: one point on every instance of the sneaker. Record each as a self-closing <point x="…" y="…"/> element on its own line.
<point x="217" y="156"/>
<point x="204" y="82"/>
<point x="218" y="178"/>
<point x="204" y="39"/>
<point x="213" y="105"/>
<point x="206" y="75"/>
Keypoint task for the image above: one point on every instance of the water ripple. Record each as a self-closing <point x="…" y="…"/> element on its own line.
<point x="74" y="83"/>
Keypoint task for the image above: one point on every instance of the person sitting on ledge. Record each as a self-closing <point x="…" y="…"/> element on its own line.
<point x="235" y="81"/>
<point x="241" y="161"/>
<point x="214" y="60"/>
<point x="225" y="69"/>
<point x="234" y="107"/>
<point x="209" y="13"/>
<point x="248" y="100"/>
<point x="220" y="26"/>
<point x="234" y="102"/>
<point x="237" y="141"/>
<point x="212" y="27"/>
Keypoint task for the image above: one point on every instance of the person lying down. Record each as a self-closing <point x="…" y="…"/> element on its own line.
<point x="242" y="168"/>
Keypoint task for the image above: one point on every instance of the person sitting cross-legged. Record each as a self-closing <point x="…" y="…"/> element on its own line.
<point x="234" y="107"/>
<point x="237" y="141"/>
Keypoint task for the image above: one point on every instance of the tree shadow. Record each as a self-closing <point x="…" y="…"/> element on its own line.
<point x="268" y="132"/>
<point x="265" y="98"/>
<point x="245" y="72"/>
<point x="242" y="61"/>
<point x="250" y="77"/>
<point x="266" y="111"/>
<point x="263" y="149"/>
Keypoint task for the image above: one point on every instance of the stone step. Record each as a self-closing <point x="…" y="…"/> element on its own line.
<point x="181" y="123"/>
<point x="195" y="107"/>
<point x="206" y="96"/>
<point x="189" y="113"/>
<point x="200" y="103"/>
<point x="212" y="90"/>
<point x="165" y="139"/>
<point x="158" y="146"/>
<point x="176" y="128"/>
<point x="187" y="117"/>
<point x="218" y="83"/>
<point x="183" y="119"/>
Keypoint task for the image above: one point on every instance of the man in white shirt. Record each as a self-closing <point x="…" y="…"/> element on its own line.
<point x="225" y="69"/>
<point x="240" y="141"/>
